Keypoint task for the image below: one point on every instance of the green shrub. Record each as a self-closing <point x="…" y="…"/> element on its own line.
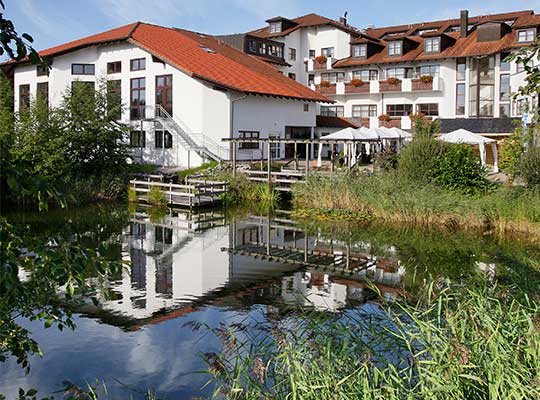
<point x="156" y="197"/>
<point x="132" y="196"/>
<point x="182" y="175"/>
<point x="529" y="166"/>
<point x="510" y="154"/>
<point x="418" y="161"/>
<point x="458" y="169"/>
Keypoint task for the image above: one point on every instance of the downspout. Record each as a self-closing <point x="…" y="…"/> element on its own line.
<point x="231" y="121"/>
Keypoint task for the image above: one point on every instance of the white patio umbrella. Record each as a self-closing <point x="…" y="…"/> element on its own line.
<point x="465" y="136"/>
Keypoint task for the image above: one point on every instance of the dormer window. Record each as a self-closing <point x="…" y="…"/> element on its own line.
<point x="432" y="45"/>
<point x="526" y="35"/>
<point x="395" y="48"/>
<point x="275" y="27"/>
<point x="360" y="51"/>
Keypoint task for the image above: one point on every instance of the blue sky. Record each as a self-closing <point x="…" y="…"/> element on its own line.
<point x="53" y="22"/>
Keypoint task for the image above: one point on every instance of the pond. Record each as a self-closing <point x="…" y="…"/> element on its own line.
<point x="135" y="331"/>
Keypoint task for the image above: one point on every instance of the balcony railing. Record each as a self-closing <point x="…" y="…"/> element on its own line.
<point x="324" y="89"/>
<point x="385" y="86"/>
<point x="313" y="65"/>
<point x="363" y="88"/>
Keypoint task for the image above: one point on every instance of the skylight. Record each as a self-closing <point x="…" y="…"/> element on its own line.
<point x="210" y="51"/>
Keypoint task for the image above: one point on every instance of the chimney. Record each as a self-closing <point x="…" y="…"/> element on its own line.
<point x="464" y="23"/>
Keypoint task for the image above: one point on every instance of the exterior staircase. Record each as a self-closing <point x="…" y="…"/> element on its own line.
<point x="201" y="144"/>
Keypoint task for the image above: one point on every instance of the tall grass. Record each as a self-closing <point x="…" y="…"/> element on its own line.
<point x="241" y="191"/>
<point x="389" y="197"/>
<point x="458" y="344"/>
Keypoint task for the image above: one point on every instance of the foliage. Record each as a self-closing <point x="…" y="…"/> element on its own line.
<point x="457" y="344"/>
<point x="156" y="197"/>
<point x="390" y="197"/>
<point x="182" y="175"/>
<point x="16" y="46"/>
<point x="529" y="166"/>
<point x="384" y="118"/>
<point x="393" y="81"/>
<point x="424" y="127"/>
<point x="321" y="59"/>
<point x="458" y="169"/>
<point x="132" y="196"/>
<point x="76" y="147"/>
<point x="241" y="191"/>
<point x="325" y="84"/>
<point x="511" y="151"/>
<point x="357" y="82"/>
<point x="418" y="161"/>
<point x="426" y="78"/>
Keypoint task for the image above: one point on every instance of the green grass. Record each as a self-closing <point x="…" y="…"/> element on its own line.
<point x="182" y="175"/>
<point x="456" y="344"/>
<point x="391" y="198"/>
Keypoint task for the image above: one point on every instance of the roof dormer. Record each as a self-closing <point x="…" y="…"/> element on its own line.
<point x="400" y="46"/>
<point x="491" y="31"/>
<point x="279" y="24"/>
<point x="436" y="42"/>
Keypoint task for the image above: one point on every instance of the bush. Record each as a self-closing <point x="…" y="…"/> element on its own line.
<point x="529" y="166"/>
<point x="458" y="169"/>
<point x="156" y="197"/>
<point x="510" y="154"/>
<point x="132" y="196"/>
<point x="418" y="161"/>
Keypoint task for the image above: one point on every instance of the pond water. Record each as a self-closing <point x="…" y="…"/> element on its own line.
<point x="134" y="332"/>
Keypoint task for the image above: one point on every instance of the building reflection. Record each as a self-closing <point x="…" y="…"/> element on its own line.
<point x="188" y="260"/>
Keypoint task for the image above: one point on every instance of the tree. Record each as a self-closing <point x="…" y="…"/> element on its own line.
<point x="14" y="45"/>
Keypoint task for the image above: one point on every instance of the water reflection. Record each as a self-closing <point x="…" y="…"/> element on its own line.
<point x="215" y="268"/>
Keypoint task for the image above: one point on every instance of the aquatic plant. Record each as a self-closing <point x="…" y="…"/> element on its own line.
<point x="132" y="196"/>
<point x="456" y="344"/>
<point x="156" y="197"/>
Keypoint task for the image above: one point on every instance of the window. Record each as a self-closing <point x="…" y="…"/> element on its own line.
<point x="248" y="135"/>
<point x="394" y="48"/>
<point x="432" y="45"/>
<point x="292" y="76"/>
<point x="431" y="70"/>
<point x="292" y="54"/>
<point x="400" y="73"/>
<point x="164" y="92"/>
<point x="42" y="91"/>
<point x="83" y="69"/>
<point x="114" y="99"/>
<point x="42" y="70"/>
<point x="138" y="98"/>
<point x="482" y="87"/>
<point x="163" y="139"/>
<point x="504" y="64"/>
<point x="114" y="67"/>
<point x="364" y="111"/>
<point x="430" y="109"/>
<point x="275" y="27"/>
<point x="461" y="69"/>
<point x="505" y="88"/>
<point x="360" y="51"/>
<point x="460" y="99"/>
<point x="333" y="77"/>
<point x="312" y="54"/>
<point x="138" y="64"/>
<point x="137" y="138"/>
<point x="399" y="110"/>
<point x="24" y="96"/>
<point x="306" y="107"/>
<point x="366" y="75"/>
<point x="327" y="52"/>
<point x="311" y="79"/>
<point x="86" y="87"/>
<point x="332" y="111"/>
<point x="526" y="35"/>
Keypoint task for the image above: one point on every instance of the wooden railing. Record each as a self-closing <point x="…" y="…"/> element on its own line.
<point x="194" y="194"/>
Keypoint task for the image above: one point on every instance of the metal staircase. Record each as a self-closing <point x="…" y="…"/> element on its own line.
<point x="201" y="144"/>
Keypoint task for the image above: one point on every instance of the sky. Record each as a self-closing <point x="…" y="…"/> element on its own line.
<point x="53" y="22"/>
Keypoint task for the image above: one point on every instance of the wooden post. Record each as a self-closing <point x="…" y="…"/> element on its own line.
<point x="349" y="151"/>
<point x="332" y="168"/>
<point x="234" y="157"/>
<point x="269" y="165"/>
<point x="307" y="159"/>
<point x="188" y="159"/>
<point x="296" y="156"/>
<point x="262" y="157"/>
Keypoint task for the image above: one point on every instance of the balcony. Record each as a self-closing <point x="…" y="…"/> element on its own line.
<point x="390" y="86"/>
<point x="352" y="89"/>
<point x="313" y="65"/>
<point x="422" y="85"/>
<point x="326" y="89"/>
<point x="397" y="122"/>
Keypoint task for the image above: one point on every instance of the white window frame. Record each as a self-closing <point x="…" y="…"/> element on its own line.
<point x="432" y="45"/>
<point x="529" y="35"/>
<point x="275" y="27"/>
<point x="395" y="48"/>
<point x="360" y="51"/>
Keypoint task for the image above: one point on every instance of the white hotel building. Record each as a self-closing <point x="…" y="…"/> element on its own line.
<point x="295" y="78"/>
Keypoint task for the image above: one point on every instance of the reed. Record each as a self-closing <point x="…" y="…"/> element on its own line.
<point x="456" y="344"/>
<point x="388" y="197"/>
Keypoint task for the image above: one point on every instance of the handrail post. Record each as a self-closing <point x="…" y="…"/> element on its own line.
<point x="307" y="160"/>
<point x="269" y="165"/>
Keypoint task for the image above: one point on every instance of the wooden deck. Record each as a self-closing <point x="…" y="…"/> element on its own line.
<point x="197" y="193"/>
<point x="282" y="180"/>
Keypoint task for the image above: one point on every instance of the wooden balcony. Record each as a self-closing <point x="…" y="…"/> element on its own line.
<point x="364" y="88"/>
<point x="319" y="66"/>
<point x="395" y="122"/>
<point x="326" y="89"/>
<point x="385" y="86"/>
<point x="418" y="85"/>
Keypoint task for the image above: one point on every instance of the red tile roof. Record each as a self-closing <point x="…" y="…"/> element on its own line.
<point x="303" y="22"/>
<point x="462" y="47"/>
<point x="202" y="57"/>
